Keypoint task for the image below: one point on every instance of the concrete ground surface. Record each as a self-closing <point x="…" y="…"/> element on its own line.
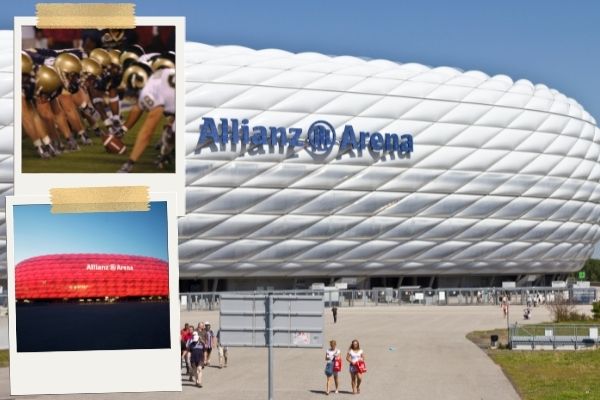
<point x="411" y="352"/>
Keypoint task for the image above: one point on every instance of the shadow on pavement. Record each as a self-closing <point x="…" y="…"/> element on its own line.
<point x="190" y="384"/>
<point x="332" y="392"/>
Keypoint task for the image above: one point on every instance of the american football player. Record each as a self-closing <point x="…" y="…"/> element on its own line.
<point x="33" y="125"/>
<point x="118" y="39"/>
<point x="66" y="63"/>
<point x="107" y="85"/>
<point x="48" y="87"/>
<point x="108" y="38"/>
<point x="91" y="72"/>
<point x="156" y="98"/>
<point x="72" y="98"/>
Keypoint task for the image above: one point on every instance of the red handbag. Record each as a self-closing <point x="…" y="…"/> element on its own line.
<point x="337" y="364"/>
<point x="360" y="366"/>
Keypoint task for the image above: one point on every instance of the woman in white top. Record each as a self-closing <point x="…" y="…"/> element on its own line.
<point x="330" y="372"/>
<point x="355" y="353"/>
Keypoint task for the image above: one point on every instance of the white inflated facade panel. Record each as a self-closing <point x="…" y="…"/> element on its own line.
<point x="504" y="177"/>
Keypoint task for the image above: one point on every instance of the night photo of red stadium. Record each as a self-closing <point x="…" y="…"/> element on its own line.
<point x="110" y="298"/>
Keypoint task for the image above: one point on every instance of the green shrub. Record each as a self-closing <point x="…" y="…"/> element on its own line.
<point x="575" y="316"/>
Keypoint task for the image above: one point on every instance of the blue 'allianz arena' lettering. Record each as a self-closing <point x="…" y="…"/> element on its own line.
<point x="389" y="142"/>
<point x="320" y="137"/>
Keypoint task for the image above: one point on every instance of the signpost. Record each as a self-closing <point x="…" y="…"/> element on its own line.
<point x="581" y="275"/>
<point x="271" y="320"/>
<point x="508" y="319"/>
<point x="270" y="340"/>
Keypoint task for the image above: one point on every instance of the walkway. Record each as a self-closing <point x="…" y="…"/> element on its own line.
<point x="412" y="352"/>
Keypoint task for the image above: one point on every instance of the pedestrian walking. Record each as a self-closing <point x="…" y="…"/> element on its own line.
<point x="209" y="342"/>
<point x="185" y="328"/>
<point x="333" y="359"/>
<point x="186" y="335"/>
<point x="334" y="311"/>
<point x="196" y="350"/>
<point x="356" y="358"/>
<point x="223" y="351"/>
<point x="504" y="306"/>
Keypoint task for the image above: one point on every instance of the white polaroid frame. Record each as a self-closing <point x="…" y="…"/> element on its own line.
<point x="96" y="371"/>
<point x="39" y="183"/>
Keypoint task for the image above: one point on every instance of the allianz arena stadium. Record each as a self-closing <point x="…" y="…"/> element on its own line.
<point x="90" y="276"/>
<point x="415" y="172"/>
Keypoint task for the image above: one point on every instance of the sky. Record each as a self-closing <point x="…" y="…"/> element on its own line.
<point x="39" y="232"/>
<point x="546" y="41"/>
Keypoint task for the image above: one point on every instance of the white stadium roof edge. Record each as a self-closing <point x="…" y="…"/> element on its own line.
<point x="320" y="64"/>
<point x="504" y="178"/>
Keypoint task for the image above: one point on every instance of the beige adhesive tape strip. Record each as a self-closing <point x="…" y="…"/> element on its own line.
<point x="100" y="199"/>
<point x="92" y="15"/>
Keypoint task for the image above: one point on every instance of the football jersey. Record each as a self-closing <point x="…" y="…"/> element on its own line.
<point x="159" y="91"/>
<point x="120" y="42"/>
<point x="28" y="86"/>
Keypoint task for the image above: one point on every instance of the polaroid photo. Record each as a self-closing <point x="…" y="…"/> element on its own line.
<point x="93" y="298"/>
<point x="100" y="107"/>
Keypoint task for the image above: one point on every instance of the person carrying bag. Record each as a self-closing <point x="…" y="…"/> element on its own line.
<point x="356" y="358"/>
<point x="337" y="364"/>
<point x="333" y="365"/>
<point x="361" y="367"/>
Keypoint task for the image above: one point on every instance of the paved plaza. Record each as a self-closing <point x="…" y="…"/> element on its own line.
<point x="412" y="352"/>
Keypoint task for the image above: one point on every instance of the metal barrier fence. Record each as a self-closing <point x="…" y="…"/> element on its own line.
<point x="406" y="296"/>
<point x="388" y="297"/>
<point x="553" y="336"/>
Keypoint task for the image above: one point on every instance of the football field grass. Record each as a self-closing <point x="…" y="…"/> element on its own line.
<point x="94" y="158"/>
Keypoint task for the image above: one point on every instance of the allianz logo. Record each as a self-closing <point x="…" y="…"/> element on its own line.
<point x="108" y="267"/>
<point x="320" y="138"/>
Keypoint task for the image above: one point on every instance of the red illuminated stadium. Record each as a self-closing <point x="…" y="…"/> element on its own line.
<point x="91" y="276"/>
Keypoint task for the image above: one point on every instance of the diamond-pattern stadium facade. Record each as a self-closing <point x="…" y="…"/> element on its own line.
<point x="504" y="177"/>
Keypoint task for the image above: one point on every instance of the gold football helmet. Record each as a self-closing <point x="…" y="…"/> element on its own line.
<point x="26" y="63"/>
<point x="135" y="77"/>
<point x="162" y="62"/>
<point x="115" y="56"/>
<point x="47" y="80"/>
<point x="101" y="56"/>
<point x="128" y="55"/>
<point x="67" y="63"/>
<point x="90" y="67"/>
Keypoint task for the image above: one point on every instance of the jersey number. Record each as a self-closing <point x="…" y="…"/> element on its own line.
<point x="148" y="102"/>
